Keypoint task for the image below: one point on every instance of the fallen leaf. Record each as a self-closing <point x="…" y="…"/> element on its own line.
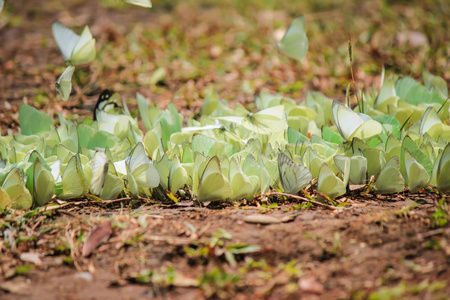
<point x="84" y="275"/>
<point x="31" y="257"/>
<point x="99" y="235"/>
<point x="311" y="285"/>
<point x="14" y="287"/>
<point x="261" y="219"/>
<point x="183" y="281"/>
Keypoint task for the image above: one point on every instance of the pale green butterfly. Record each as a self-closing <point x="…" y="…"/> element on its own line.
<point x="74" y="48"/>
<point x="416" y="175"/>
<point x="416" y="153"/>
<point x="293" y="177"/>
<point x="143" y="3"/>
<point x="213" y="185"/>
<point x="432" y="124"/>
<point x="74" y="183"/>
<point x="389" y="179"/>
<point x="357" y="172"/>
<point x="240" y="183"/>
<point x="99" y="166"/>
<point x="269" y="120"/>
<point x="351" y="124"/>
<point x="163" y="167"/>
<point x="64" y="83"/>
<point x="433" y="82"/>
<point x="443" y="171"/>
<point x="329" y="184"/>
<point x="140" y="170"/>
<point x="43" y="183"/>
<point x="13" y="191"/>
<point x="103" y="183"/>
<point x="178" y="176"/>
<point x="392" y="147"/>
<point x="295" y="42"/>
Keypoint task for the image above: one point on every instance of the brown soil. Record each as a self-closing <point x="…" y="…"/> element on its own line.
<point x="340" y="254"/>
<point x="383" y="245"/>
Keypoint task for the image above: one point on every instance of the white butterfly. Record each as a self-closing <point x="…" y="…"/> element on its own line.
<point x="293" y="176"/>
<point x="74" y="48"/>
<point x="351" y="124"/>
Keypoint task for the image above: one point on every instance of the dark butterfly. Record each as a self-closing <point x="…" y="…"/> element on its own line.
<point x="107" y="102"/>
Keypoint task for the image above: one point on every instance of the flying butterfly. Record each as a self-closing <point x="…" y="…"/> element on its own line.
<point x="64" y="83"/>
<point x="74" y="48"/>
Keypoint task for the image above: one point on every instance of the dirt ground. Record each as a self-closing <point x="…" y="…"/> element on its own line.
<point x="372" y="247"/>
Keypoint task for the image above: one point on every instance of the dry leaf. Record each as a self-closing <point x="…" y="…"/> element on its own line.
<point x="99" y="235"/>
<point x="311" y="285"/>
<point x="32" y="257"/>
<point x="261" y="219"/>
<point x="15" y="287"/>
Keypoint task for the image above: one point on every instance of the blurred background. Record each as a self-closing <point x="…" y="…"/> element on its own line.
<point x="178" y="50"/>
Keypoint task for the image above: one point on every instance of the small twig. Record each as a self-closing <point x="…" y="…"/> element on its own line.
<point x="326" y="197"/>
<point x="302" y="199"/>
<point x="431" y="233"/>
<point x="117" y="200"/>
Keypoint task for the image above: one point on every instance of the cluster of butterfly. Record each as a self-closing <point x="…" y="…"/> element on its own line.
<point x="398" y="136"/>
<point x="231" y="154"/>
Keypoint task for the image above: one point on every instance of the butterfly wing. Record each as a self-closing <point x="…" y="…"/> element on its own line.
<point x="443" y="171"/>
<point x="100" y="165"/>
<point x="143" y="3"/>
<point x="84" y="50"/>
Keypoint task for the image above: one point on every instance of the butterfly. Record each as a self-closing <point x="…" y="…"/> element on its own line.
<point x="107" y="103"/>
<point x="416" y="175"/>
<point x="240" y="183"/>
<point x="64" y="83"/>
<point x="293" y="176"/>
<point x="213" y="185"/>
<point x="13" y="191"/>
<point x="389" y="179"/>
<point x="329" y="184"/>
<point x="103" y="183"/>
<point x="141" y="173"/>
<point x="74" y="48"/>
<point x="74" y="183"/>
<point x="295" y="42"/>
<point x="265" y="121"/>
<point x="351" y="124"/>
